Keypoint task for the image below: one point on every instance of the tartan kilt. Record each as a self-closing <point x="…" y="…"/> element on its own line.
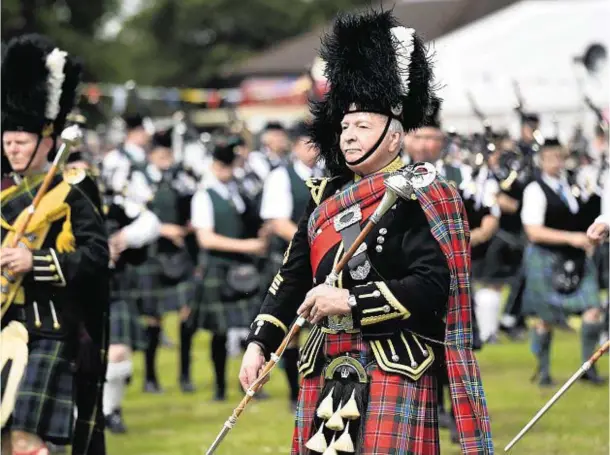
<point x="125" y="325"/>
<point x="540" y="298"/>
<point x="501" y="261"/>
<point x="154" y="297"/>
<point x="45" y="400"/>
<point x="210" y="312"/>
<point x="401" y="416"/>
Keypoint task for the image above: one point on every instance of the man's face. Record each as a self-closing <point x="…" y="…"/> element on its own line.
<point x="427" y="144"/>
<point x="552" y="160"/>
<point x="305" y="152"/>
<point x="276" y="141"/>
<point x="360" y="131"/>
<point x="19" y="147"/>
<point x="223" y="171"/>
<point x="162" y="158"/>
<point x="140" y="136"/>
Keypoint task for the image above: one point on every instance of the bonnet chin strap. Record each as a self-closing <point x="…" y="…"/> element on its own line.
<point x="366" y="156"/>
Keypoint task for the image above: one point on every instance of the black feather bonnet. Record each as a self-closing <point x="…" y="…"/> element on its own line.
<point x="39" y="86"/>
<point x="373" y="64"/>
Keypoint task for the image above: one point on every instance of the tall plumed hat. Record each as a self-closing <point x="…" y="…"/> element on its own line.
<point x="373" y="64"/>
<point x="433" y="114"/>
<point x="39" y="85"/>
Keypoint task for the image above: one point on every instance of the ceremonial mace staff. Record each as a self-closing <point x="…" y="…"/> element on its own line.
<point x="585" y="367"/>
<point x="70" y="137"/>
<point x="397" y="185"/>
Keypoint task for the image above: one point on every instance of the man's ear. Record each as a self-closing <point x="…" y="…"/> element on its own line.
<point x="45" y="145"/>
<point x="395" y="142"/>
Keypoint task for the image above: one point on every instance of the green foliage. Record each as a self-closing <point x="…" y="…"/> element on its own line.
<point x="187" y="42"/>
<point x="169" y="42"/>
<point x="187" y="424"/>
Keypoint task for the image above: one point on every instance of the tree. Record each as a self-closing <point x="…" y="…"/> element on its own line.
<point x="73" y="25"/>
<point x="186" y="42"/>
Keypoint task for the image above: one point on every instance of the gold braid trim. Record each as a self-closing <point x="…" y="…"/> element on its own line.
<point x="272" y="320"/>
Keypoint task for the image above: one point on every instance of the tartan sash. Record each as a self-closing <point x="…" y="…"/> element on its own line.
<point x="365" y="192"/>
<point x="448" y="222"/>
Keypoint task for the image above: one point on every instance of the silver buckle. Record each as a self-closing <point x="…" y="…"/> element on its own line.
<point x="347" y="217"/>
<point x="340" y="322"/>
<point x="361" y="271"/>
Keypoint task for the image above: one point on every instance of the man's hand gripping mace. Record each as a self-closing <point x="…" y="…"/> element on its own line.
<point x="70" y="137"/>
<point x="585" y="367"/>
<point x="396" y="185"/>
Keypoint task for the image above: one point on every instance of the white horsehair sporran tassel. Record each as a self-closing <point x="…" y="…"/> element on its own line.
<point x="317" y="443"/>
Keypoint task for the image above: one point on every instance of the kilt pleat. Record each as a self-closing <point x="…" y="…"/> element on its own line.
<point x="401" y="416"/>
<point x="542" y="300"/>
<point x="45" y="401"/>
<point x="212" y="312"/>
<point x="125" y="325"/>
<point x="144" y="285"/>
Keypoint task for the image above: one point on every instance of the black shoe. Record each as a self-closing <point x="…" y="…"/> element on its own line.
<point x="115" y="424"/>
<point x="152" y="387"/>
<point x="546" y="381"/>
<point x="187" y="386"/>
<point x="220" y="395"/>
<point x="592" y="377"/>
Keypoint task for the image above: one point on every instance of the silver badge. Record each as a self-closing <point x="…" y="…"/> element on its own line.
<point x="422" y="174"/>
<point x="361" y="272"/>
<point x="348" y="217"/>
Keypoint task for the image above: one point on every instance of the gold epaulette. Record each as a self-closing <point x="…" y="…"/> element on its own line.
<point x="74" y="176"/>
<point x="316" y="188"/>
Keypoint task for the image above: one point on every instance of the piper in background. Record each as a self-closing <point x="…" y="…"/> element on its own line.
<point x="371" y="360"/>
<point x="560" y="275"/>
<point x="285" y="197"/>
<point x="231" y="281"/>
<point x="55" y="283"/>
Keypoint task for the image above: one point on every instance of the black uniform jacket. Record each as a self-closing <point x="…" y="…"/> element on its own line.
<point x="402" y="298"/>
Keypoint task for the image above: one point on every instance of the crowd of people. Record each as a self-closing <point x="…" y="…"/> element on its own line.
<point x="239" y="234"/>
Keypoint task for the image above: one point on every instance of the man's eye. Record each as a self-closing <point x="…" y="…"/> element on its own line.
<point x="365" y="127"/>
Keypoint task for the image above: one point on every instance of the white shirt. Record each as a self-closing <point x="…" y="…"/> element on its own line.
<point x="484" y="190"/>
<point x="533" y="210"/>
<point x="202" y="209"/>
<point x="115" y="173"/>
<point x="604" y="217"/>
<point x="143" y="230"/>
<point x="277" y="200"/>
<point x="259" y="164"/>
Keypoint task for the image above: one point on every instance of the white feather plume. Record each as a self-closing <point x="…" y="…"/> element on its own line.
<point x="55" y="63"/>
<point x="405" y="40"/>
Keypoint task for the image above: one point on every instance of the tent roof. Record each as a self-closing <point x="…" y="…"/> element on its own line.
<point x="533" y="43"/>
<point x="431" y="18"/>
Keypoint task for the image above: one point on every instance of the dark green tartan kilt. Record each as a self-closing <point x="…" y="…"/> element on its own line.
<point x="540" y="298"/>
<point x="153" y="295"/>
<point x="45" y="403"/>
<point x="125" y="325"/>
<point x="211" y="313"/>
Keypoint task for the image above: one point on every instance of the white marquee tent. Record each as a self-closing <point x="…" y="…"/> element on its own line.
<point x="534" y="43"/>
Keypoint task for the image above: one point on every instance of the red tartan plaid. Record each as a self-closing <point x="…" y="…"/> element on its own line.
<point x="364" y="193"/>
<point x="446" y="215"/>
<point x="401" y="416"/>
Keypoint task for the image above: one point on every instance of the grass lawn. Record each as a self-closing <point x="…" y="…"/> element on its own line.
<point x="175" y="423"/>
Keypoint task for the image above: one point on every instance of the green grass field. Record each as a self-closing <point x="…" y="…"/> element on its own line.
<point x="175" y="423"/>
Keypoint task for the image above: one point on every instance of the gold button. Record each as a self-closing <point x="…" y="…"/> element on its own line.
<point x="386" y="308"/>
<point x="52" y="268"/>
